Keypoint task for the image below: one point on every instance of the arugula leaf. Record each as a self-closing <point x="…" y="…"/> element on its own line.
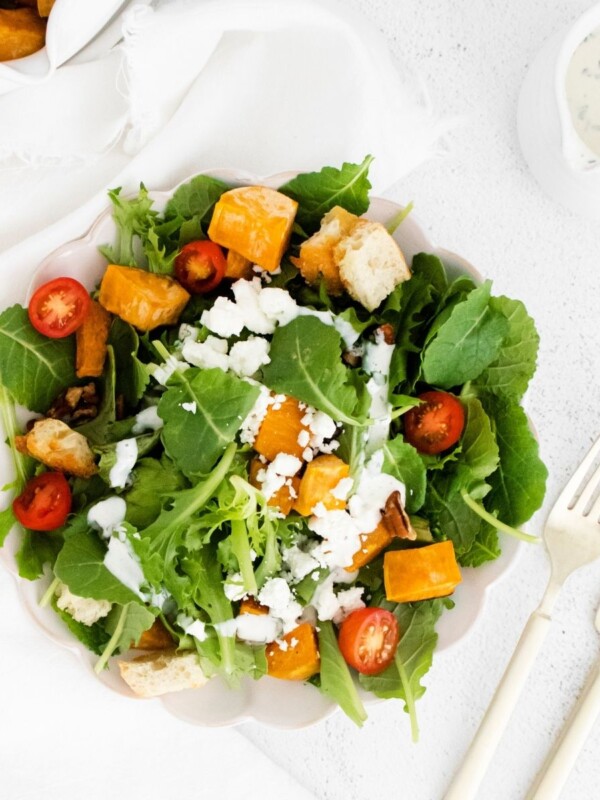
<point x="509" y="374"/>
<point x="306" y="364"/>
<point x="151" y="481"/>
<point x="414" y="656"/>
<point x="94" y="637"/>
<point x="485" y="548"/>
<point x="193" y="203"/>
<point x="37" y="549"/>
<point x="34" y="368"/>
<point x="80" y="565"/>
<point x="466" y="343"/>
<point x="403" y="462"/>
<point x="519" y="484"/>
<point x="318" y="192"/>
<point x="195" y="439"/>
<point x="7" y="521"/>
<point x="336" y="679"/>
<point x="449" y="515"/>
<point x="479" y="451"/>
<point x="132" y="376"/>
<point x="126" y="624"/>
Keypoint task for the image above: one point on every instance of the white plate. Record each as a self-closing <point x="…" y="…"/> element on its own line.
<point x="271" y="702"/>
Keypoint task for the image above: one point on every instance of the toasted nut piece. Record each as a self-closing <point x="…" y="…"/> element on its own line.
<point x="395" y="518"/>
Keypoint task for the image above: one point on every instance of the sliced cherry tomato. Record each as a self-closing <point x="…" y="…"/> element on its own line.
<point x="45" y="502"/>
<point x="59" y="307"/>
<point x="436" y="424"/>
<point x="200" y="266"/>
<point x="368" y="639"/>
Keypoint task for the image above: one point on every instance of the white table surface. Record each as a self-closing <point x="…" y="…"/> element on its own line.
<point x="479" y="200"/>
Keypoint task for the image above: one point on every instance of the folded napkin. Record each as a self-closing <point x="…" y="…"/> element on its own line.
<point x="264" y="85"/>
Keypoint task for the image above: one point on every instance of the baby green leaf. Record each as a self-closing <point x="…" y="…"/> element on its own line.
<point x="126" y="624"/>
<point x="336" y="680"/>
<point x="403" y="462"/>
<point x="467" y="342"/>
<point x="318" y="192"/>
<point x="217" y="404"/>
<point x="306" y="364"/>
<point x="34" y="368"/>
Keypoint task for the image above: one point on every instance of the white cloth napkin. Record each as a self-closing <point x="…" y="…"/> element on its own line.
<point x="263" y="85"/>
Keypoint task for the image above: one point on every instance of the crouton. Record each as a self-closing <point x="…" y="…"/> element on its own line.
<point x="83" y="609"/>
<point x="317" y="254"/>
<point x="59" y="447"/>
<point x="158" y="673"/>
<point x="371" y="263"/>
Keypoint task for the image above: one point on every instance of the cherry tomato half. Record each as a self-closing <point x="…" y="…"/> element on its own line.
<point x="200" y="266"/>
<point x="368" y="639"/>
<point x="436" y="424"/>
<point x="59" y="307"/>
<point x="45" y="502"/>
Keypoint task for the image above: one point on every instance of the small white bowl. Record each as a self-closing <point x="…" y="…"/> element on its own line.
<point x="279" y="704"/>
<point x="545" y="128"/>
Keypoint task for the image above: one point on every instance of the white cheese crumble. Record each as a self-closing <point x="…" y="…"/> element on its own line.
<point x="147" y="420"/>
<point x="298" y="562"/>
<point x="233" y="587"/>
<point x="162" y="373"/>
<point x="251" y="425"/>
<point x="127" y="453"/>
<point x="343" y="489"/>
<point x="210" y="354"/>
<point x="274" y="476"/>
<point x="337" y="606"/>
<point x="191" y="407"/>
<point x="227" y="628"/>
<point x="225" y="318"/>
<point x="246" y="358"/>
<point x="374" y="488"/>
<point x="257" y="628"/>
<point x="279" y="599"/>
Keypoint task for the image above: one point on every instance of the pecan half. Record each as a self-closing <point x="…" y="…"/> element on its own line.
<point x="395" y="518"/>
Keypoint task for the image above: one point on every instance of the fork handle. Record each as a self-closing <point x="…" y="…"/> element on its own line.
<point x="560" y="761"/>
<point x="468" y="778"/>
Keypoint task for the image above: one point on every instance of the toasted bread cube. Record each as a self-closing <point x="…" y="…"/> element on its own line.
<point x="57" y="446"/>
<point x="255" y="222"/>
<point x="371" y="263"/>
<point x="317" y="254"/>
<point x="22" y="32"/>
<point x="159" y="673"/>
<point x="83" y="609"/>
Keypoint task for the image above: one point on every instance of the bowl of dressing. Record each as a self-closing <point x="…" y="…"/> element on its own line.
<point x="558" y="116"/>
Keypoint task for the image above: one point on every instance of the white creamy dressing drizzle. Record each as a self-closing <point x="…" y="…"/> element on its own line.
<point x="147" y="420"/>
<point x="127" y="453"/>
<point x="582" y="85"/>
<point x="376" y="362"/>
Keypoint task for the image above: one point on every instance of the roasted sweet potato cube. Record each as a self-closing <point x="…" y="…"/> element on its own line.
<point x="157" y="637"/>
<point x="420" y="573"/>
<point x="372" y="544"/>
<point x="255" y="222"/>
<point x="318" y="482"/>
<point x="238" y="266"/>
<point x="280" y="430"/>
<point x="92" y="339"/>
<point x="300" y="660"/>
<point x="283" y="498"/>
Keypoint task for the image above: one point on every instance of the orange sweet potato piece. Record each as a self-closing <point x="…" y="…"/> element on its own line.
<point x="22" y="32"/>
<point x="238" y="266"/>
<point x="301" y="659"/>
<point x="420" y="573"/>
<point x="250" y="605"/>
<point x="254" y="221"/>
<point x="142" y="298"/>
<point x="91" y="339"/>
<point x="372" y="544"/>
<point x="280" y="430"/>
<point x="157" y="637"/>
<point x="321" y="476"/>
<point x="284" y="497"/>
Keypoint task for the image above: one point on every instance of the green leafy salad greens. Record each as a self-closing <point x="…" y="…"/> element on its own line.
<point x="190" y="531"/>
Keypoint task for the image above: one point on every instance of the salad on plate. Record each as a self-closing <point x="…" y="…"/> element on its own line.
<point x="265" y="444"/>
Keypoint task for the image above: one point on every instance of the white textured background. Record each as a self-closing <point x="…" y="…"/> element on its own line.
<point x="480" y="201"/>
